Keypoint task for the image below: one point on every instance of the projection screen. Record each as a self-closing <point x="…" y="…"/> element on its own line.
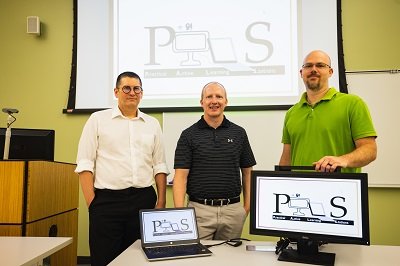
<point x="254" y="48"/>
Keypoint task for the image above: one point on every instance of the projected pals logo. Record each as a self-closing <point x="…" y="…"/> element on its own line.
<point x="304" y="209"/>
<point x="202" y="52"/>
<point x="164" y="227"/>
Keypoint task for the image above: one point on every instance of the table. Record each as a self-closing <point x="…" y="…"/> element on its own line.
<point x="28" y="251"/>
<point x="346" y="255"/>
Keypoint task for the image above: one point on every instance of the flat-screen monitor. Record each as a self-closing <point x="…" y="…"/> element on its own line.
<point x="310" y="208"/>
<point x="29" y="144"/>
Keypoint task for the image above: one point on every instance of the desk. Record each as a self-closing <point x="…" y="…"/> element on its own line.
<point x="28" y="251"/>
<point x="346" y="255"/>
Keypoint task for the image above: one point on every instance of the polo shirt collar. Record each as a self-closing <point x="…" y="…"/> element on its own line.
<point x="203" y="124"/>
<point x="328" y="96"/>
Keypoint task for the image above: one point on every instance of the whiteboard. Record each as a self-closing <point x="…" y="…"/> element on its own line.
<point x="381" y="91"/>
<point x="264" y="128"/>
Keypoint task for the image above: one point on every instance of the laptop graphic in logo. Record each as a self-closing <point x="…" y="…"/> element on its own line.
<point x="170" y="233"/>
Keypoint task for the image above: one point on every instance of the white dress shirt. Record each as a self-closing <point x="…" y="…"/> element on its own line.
<point x="121" y="152"/>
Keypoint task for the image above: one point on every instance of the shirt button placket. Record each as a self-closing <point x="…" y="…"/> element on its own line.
<point x="132" y="144"/>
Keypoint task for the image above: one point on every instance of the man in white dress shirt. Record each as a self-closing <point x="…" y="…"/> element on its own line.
<point x="120" y="155"/>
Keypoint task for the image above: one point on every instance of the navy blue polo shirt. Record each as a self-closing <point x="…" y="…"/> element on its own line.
<point x="214" y="157"/>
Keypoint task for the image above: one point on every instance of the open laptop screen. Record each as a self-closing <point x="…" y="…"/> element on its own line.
<point x="168" y="225"/>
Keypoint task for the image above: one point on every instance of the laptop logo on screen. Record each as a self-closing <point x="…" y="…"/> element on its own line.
<point x="303" y="209"/>
<point x="164" y="227"/>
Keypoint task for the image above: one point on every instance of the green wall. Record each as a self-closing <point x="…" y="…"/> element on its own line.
<point x="35" y="74"/>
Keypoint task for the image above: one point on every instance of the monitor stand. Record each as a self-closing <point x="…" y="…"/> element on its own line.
<point x="307" y="252"/>
<point x="190" y="61"/>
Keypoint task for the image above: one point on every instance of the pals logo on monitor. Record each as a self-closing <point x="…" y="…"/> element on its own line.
<point x="301" y="208"/>
<point x="166" y="227"/>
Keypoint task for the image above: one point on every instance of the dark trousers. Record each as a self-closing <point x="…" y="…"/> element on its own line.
<point x="114" y="221"/>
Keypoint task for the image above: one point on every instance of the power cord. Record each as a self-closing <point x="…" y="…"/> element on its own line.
<point x="282" y="244"/>
<point x="234" y="242"/>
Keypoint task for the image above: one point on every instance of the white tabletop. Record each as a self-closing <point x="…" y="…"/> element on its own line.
<point x="346" y="255"/>
<point x="17" y="251"/>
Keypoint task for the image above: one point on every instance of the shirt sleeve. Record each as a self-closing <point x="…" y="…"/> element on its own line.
<point x="285" y="133"/>
<point x="87" y="147"/>
<point x="361" y="121"/>
<point x="247" y="158"/>
<point x="183" y="153"/>
<point x="159" y="161"/>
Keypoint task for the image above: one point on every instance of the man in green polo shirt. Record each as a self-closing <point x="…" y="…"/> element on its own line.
<point x="327" y="128"/>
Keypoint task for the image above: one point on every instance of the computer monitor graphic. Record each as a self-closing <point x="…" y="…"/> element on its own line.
<point x="190" y="42"/>
<point x="299" y="204"/>
<point x="313" y="208"/>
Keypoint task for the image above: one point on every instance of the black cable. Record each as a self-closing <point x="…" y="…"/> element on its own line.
<point x="239" y="238"/>
<point x="234" y="242"/>
<point x="282" y="244"/>
<point x="10" y="123"/>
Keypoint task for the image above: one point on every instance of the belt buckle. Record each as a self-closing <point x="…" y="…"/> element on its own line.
<point x="211" y="202"/>
<point x="223" y="200"/>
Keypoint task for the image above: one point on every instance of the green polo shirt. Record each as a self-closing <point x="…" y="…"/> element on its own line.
<point x="330" y="127"/>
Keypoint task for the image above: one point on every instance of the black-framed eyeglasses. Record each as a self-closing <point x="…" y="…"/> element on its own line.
<point x="135" y="89"/>
<point x="319" y="65"/>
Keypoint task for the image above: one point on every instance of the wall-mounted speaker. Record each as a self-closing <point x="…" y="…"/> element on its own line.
<point x="33" y="25"/>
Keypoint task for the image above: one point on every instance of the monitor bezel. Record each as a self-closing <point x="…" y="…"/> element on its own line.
<point x="47" y="134"/>
<point x="326" y="238"/>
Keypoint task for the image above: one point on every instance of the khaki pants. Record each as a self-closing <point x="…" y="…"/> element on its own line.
<point x="219" y="222"/>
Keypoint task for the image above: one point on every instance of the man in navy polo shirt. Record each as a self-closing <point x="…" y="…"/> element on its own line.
<point x="213" y="161"/>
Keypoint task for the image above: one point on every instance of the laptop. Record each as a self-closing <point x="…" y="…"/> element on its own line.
<point x="170" y="234"/>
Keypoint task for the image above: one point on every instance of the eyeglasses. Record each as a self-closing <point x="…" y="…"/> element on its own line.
<point x="135" y="89"/>
<point x="320" y="65"/>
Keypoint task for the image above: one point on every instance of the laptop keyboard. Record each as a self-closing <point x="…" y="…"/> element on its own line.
<point x="173" y="251"/>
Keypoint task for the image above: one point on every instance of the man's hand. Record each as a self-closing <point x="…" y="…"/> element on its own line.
<point x="329" y="163"/>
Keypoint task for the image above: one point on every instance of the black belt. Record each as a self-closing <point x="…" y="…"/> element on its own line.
<point x="215" y="202"/>
<point x="125" y="191"/>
